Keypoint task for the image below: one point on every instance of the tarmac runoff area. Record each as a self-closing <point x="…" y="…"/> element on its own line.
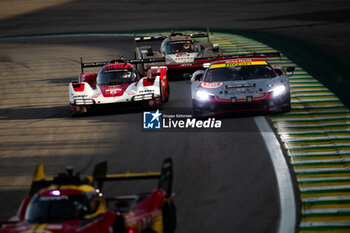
<point x="325" y="130"/>
<point x="302" y="105"/>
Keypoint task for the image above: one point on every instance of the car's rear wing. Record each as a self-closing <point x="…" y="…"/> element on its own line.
<point x="131" y="61"/>
<point x="238" y="56"/>
<point x="148" y="38"/>
<point x="172" y="33"/>
<point x="165" y="176"/>
<point x="193" y="35"/>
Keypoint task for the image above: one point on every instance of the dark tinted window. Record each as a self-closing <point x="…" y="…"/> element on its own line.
<point x="178" y="47"/>
<point x="115" y="77"/>
<point x="56" y="208"/>
<point x="236" y="73"/>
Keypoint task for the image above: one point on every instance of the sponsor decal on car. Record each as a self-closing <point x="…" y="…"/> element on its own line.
<point x="247" y="63"/>
<point x="114" y="91"/>
<point x="79" y="96"/>
<point x="146" y="91"/>
<point x="211" y="85"/>
<point x="245" y="85"/>
<point x="95" y="96"/>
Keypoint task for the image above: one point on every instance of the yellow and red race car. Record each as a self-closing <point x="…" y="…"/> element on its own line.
<point x="69" y="203"/>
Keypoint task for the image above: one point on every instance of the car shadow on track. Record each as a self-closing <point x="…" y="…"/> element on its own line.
<point x="62" y="112"/>
<point x="65" y="80"/>
<point x="34" y="113"/>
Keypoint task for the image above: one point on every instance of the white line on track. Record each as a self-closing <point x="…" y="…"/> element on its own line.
<point x="288" y="138"/>
<point x="320" y="161"/>
<point x="320" y="146"/>
<point x="311" y="94"/>
<point x="324" y="224"/>
<point x="301" y="132"/>
<point x="286" y="192"/>
<point x="327" y="198"/>
<point x="320" y="188"/>
<point x="327" y="169"/>
<point x="312" y="179"/>
<point x="301" y="154"/>
<point x="326" y="211"/>
<point x="293" y="125"/>
<point x="310" y="118"/>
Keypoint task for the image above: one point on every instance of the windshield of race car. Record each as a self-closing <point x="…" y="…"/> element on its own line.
<point x="237" y="73"/>
<point x="115" y="77"/>
<point x="180" y="47"/>
<point x="47" y="209"/>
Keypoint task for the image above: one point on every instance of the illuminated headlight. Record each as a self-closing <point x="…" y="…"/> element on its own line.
<point x="143" y="97"/>
<point x="206" y="65"/>
<point x="138" y="98"/>
<point x="148" y="96"/>
<point x="278" y="90"/>
<point x="84" y="101"/>
<point x="202" y="95"/>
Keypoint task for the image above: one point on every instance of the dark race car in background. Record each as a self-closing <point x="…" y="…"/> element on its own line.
<point x="247" y="84"/>
<point x="118" y="84"/>
<point x="180" y="51"/>
<point x="67" y="203"/>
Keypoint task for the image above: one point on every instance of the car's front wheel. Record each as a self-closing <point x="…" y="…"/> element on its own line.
<point x="287" y="105"/>
<point x="169" y="216"/>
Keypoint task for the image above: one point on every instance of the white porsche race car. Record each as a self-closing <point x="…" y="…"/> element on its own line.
<point x="117" y="84"/>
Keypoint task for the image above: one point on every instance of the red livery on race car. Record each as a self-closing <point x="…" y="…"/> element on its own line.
<point x="118" y="84"/>
<point x="67" y="203"/>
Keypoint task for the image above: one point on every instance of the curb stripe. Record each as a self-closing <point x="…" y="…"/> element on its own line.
<point x="316" y="136"/>
<point x="284" y="181"/>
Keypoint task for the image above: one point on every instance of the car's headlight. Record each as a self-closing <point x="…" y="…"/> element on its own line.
<point x="278" y="90"/>
<point x="202" y="95"/>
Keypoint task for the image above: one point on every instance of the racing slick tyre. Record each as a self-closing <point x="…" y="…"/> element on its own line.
<point x="169" y="217"/>
<point x="168" y="91"/>
<point x="164" y="98"/>
<point x="161" y="91"/>
<point x="119" y="225"/>
<point x="83" y="111"/>
<point x="197" y="112"/>
<point x="287" y="106"/>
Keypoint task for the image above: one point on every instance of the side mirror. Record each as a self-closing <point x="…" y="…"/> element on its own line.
<point x="290" y="69"/>
<point x="187" y="76"/>
<point x="198" y="77"/>
<point x="216" y="47"/>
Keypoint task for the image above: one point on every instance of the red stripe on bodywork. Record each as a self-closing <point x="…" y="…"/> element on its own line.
<point x="118" y="66"/>
<point x="148" y="82"/>
<point x="114" y="90"/>
<point x="89" y="78"/>
<point x="78" y="87"/>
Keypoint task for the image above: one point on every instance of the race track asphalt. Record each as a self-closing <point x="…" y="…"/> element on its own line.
<point x="223" y="181"/>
